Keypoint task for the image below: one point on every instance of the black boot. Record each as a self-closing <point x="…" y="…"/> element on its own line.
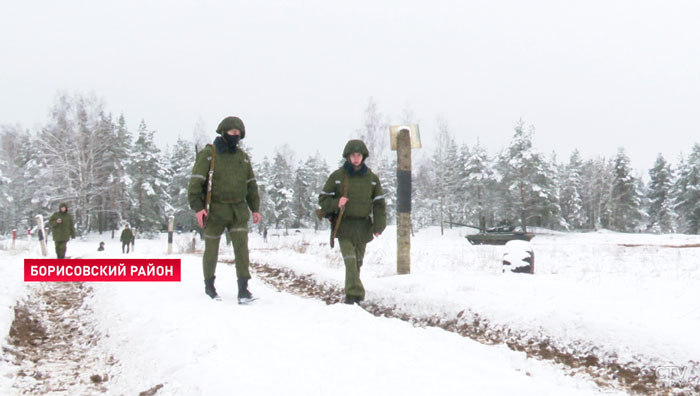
<point x="244" y="295"/>
<point x="210" y="290"/>
<point x="351" y="300"/>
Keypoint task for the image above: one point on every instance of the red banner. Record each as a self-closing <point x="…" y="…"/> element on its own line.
<point x="102" y="270"/>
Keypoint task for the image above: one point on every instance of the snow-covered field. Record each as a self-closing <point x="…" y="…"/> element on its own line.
<point x="642" y="299"/>
<point x="640" y="303"/>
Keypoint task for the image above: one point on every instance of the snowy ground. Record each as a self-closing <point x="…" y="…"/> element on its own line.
<point x="640" y="302"/>
<point x="642" y="299"/>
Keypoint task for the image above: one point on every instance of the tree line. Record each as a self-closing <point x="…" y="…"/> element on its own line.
<point x="111" y="176"/>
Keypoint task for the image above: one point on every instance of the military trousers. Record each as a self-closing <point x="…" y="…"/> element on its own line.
<point x="353" y="254"/>
<point x="61" y="249"/>
<point x="238" y="233"/>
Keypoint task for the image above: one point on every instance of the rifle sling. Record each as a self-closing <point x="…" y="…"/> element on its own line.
<point x="210" y="177"/>
<point x="342" y="210"/>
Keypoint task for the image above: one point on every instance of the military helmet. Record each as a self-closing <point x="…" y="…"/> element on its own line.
<point x="356" y="146"/>
<point x="229" y="123"/>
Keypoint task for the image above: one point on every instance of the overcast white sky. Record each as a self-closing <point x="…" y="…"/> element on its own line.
<point x="592" y="75"/>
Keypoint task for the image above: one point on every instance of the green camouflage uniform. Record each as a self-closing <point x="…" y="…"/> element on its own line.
<point x="234" y="192"/>
<point x="365" y="213"/>
<point x="62" y="232"/>
<point x="126" y="237"/>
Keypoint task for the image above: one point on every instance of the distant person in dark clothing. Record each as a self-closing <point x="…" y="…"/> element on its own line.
<point x="102" y="247"/>
<point x="265" y="235"/>
<point x="127" y="238"/>
<point x="61" y="223"/>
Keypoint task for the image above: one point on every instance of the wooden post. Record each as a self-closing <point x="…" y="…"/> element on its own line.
<point x="14" y="238"/>
<point x="403" y="219"/>
<point x="171" y="220"/>
<point x="42" y="234"/>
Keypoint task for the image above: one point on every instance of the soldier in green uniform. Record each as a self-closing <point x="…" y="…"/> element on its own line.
<point x="234" y="192"/>
<point x="126" y="238"/>
<point x="62" y="228"/>
<point x="364" y="214"/>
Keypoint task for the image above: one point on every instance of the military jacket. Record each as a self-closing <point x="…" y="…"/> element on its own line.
<point x="126" y="236"/>
<point x="65" y="230"/>
<point x="365" y="211"/>
<point x="233" y="181"/>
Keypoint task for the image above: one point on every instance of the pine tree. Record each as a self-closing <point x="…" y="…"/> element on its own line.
<point x="571" y="196"/>
<point x="424" y="199"/>
<point x="119" y="157"/>
<point x="107" y="173"/>
<point x="453" y="183"/>
<point x="318" y="172"/>
<point x="263" y="174"/>
<point x="545" y="203"/>
<point x="17" y="187"/>
<point x="386" y="171"/>
<point x="180" y="163"/>
<point x="281" y="191"/>
<point x="687" y="201"/>
<point x="661" y="214"/>
<point x="303" y="193"/>
<point x="625" y="210"/>
<point x="445" y="181"/>
<point x="479" y="184"/>
<point x="598" y="179"/>
<point x="528" y="189"/>
<point x="463" y="210"/>
<point x="150" y="200"/>
<point x="5" y="198"/>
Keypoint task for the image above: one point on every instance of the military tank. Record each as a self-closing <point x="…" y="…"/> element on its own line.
<point x="498" y="235"/>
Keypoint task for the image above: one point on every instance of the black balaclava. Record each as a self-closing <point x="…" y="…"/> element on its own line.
<point x="231" y="141"/>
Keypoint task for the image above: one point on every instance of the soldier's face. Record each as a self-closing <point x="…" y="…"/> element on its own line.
<point x="233" y="132"/>
<point x="63" y="208"/>
<point x="356" y="159"/>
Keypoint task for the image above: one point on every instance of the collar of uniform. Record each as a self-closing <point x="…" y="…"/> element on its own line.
<point x="351" y="169"/>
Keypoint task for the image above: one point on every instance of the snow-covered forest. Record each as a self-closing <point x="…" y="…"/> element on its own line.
<point x="111" y="175"/>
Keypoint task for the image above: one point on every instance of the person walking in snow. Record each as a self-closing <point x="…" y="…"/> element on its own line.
<point x="234" y="195"/>
<point x="126" y="238"/>
<point x="356" y="190"/>
<point x="62" y="229"/>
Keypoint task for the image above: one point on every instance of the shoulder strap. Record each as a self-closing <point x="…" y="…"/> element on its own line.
<point x="210" y="177"/>
<point x="213" y="157"/>
<point x="345" y="185"/>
